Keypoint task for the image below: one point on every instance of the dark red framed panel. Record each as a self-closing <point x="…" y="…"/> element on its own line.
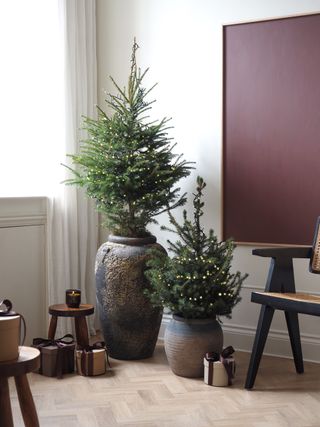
<point x="271" y="130"/>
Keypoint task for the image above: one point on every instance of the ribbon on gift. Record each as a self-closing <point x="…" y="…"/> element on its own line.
<point x="6" y="310"/>
<point x="228" y="362"/>
<point x="225" y="357"/>
<point x="6" y="307"/>
<point x="211" y="357"/>
<point x="60" y="343"/>
<point x="87" y="355"/>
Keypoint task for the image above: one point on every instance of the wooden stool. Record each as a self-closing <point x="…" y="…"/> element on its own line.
<point x="79" y="314"/>
<point x="28" y="361"/>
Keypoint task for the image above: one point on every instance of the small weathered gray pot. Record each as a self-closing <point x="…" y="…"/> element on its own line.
<point x="130" y="325"/>
<point x="186" y="342"/>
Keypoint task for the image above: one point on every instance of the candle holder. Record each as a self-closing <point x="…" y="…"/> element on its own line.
<point x="73" y="298"/>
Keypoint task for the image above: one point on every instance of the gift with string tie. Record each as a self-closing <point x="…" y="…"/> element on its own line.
<point x="10" y="331"/>
<point x="57" y="355"/>
<point x="92" y="360"/>
<point x="219" y="369"/>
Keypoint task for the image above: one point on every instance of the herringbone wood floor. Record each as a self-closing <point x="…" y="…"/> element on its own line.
<point x="146" y="393"/>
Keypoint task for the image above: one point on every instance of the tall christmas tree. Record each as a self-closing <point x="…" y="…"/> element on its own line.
<point x="127" y="164"/>
<point x="196" y="282"/>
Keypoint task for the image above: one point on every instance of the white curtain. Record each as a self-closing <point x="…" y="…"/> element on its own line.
<point x="72" y="231"/>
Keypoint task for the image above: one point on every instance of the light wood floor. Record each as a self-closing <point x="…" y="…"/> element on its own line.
<point x="147" y="394"/>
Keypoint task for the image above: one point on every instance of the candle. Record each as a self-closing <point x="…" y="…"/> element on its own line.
<point x="73" y="298"/>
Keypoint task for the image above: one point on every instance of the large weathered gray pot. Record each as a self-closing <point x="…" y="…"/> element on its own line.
<point x="130" y="325"/>
<point x="186" y="342"/>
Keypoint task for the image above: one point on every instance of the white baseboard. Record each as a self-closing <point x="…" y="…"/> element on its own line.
<point x="278" y="343"/>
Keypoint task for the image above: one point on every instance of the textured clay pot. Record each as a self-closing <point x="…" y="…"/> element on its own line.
<point x="187" y="341"/>
<point x="130" y="324"/>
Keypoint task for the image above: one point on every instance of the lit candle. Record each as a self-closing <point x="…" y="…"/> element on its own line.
<point x="73" y="298"/>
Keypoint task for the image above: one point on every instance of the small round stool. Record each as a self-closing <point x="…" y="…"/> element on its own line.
<point x="28" y="361"/>
<point x="79" y="314"/>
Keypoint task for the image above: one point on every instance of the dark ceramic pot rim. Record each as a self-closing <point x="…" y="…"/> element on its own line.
<point x="193" y="321"/>
<point x="132" y="241"/>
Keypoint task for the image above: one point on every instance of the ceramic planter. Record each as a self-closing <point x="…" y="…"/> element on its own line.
<point x="188" y="340"/>
<point x="130" y="324"/>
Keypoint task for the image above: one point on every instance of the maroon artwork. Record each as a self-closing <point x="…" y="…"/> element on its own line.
<point x="271" y="130"/>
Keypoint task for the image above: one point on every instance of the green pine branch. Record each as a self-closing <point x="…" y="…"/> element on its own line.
<point x="127" y="164"/>
<point x="196" y="282"/>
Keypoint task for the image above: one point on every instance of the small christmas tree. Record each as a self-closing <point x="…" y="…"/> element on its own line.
<point x="197" y="282"/>
<point x="127" y="164"/>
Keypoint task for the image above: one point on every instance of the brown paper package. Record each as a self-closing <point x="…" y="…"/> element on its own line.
<point x="98" y="365"/>
<point x="49" y="360"/>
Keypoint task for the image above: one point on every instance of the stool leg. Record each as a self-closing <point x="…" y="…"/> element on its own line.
<point x="81" y="331"/>
<point x="294" y="334"/>
<point x="52" y="327"/>
<point x="5" y="405"/>
<point x="27" y="406"/>
<point x="263" y="327"/>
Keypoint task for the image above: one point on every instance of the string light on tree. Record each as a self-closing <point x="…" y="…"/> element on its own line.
<point x="130" y="160"/>
<point x="199" y="270"/>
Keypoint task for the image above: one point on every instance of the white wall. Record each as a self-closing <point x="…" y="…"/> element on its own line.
<point x="22" y="260"/>
<point x="181" y="41"/>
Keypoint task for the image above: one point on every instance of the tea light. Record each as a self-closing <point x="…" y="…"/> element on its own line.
<point x="73" y="298"/>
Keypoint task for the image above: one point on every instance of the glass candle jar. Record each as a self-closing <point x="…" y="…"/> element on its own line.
<point x="73" y="298"/>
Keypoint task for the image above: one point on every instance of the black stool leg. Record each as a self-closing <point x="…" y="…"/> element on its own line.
<point x="266" y="315"/>
<point x="294" y="334"/>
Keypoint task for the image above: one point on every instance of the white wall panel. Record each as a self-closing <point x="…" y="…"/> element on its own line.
<point x="23" y="262"/>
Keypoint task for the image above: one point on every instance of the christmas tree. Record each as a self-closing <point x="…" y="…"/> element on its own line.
<point x="196" y="282"/>
<point x="127" y="164"/>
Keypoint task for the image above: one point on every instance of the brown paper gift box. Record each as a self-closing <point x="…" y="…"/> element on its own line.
<point x="50" y="360"/>
<point x="56" y="359"/>
<point x="92" y="362"/>
<point x="9" y="337"/>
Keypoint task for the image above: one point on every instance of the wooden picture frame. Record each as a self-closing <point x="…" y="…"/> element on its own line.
<point x="271" y="130"/>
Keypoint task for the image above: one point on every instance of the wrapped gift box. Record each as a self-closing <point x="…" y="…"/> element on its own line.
<point x="57" y="356"/>
<point x="9" y="337"/>
<point x="91" y="361"/>
<point x="218" y="370"/>
<point x="215" y="373"/>
<point x="10" y="330"/>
